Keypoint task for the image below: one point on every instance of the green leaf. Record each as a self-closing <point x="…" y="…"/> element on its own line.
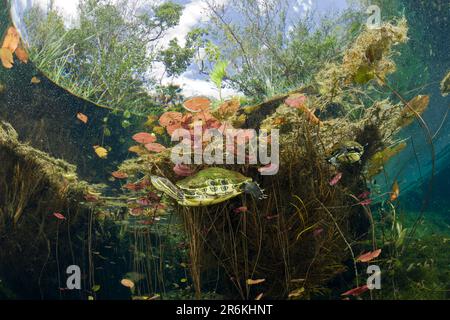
<point x="96" y="288"/>
<point x="219" y="72"/>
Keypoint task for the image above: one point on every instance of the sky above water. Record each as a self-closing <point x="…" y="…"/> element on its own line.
<point x="193" y="15"/>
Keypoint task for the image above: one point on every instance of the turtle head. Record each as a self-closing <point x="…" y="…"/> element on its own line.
<point x="254" y="190"/>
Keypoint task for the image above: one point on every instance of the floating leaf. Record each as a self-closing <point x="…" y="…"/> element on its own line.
<point x="96" y="288"/>
<point x="159" y="130"/>
<point x="150" y="120"/>
<point x="356" y="291"/>
<point x="144" y="138"/>
<point x="11" y="40"/>
<point x="197" y="104"/>
<point x="59" y="216"/>
<point x="296" y="293"/>
<point x="7" y="58"/>
<point x="259" y="296"/>
<point x="138" y="150"/>
<point x="183" y="170"/>
<point x="22" y="55"/>
<point x="90" y="298"/>
<point x="252" y="282"/>
<point x="101" y="152"/>
<point x="170" y="118"/>
<point x="155" y="147"/>
<point x="127" y="283"/>
<point x="82" y="117"/>
<point x="369" y="256"/>
<point x="35" y="80"/>
<point x="119" y="175"/>
<point x="183" y="280"/>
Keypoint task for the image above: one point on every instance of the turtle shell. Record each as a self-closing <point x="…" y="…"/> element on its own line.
<point x="213" y="177"/>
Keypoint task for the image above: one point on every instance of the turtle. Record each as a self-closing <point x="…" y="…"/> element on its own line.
<point x="207" y="187"/>
<point x="346" y="153"/>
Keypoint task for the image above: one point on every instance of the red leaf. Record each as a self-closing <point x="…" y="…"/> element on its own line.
<point x="59" y="216"/>
<point x="119" y="175"/>
<point x="364" y="195"/>
<point x="369" y="256"/>
<point x="336" y="179"/>
<point x="356" y="291"/>
<point x="144" y="138"/>
<point x="366" y="202"/>
<point x="240" y="209"/>
<point x="82" y="117"/>
<point x="296" y="101"/>
<point x="91" y="198"/>
<point x="197" y="104"/>
<point x="155" y="147"/>
<point x="182" y="170"/>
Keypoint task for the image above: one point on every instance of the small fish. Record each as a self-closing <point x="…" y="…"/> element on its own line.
<point x="369" y="256"/>
<point x="259" y="296"/>
<point x="59" y="216"/>
<point x="336" y="179"/>
<point x="240" y="209"/>
<point x="35" y="80"/>
<point x="82" y="117"/>
<point x="272" y="217"/>
<point x="395" y="191"/>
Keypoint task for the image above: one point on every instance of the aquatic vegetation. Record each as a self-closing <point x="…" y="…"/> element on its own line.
<point x="380" y="159"/>
<point x="368" y="58"/>
<point x="445" y="85"/>
<point x="413" y="109"/>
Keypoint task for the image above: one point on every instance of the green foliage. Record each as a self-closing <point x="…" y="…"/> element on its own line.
<point x="270" y="52"/>
<point x="218" y="74"/>
<point x="107" y="56"/>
